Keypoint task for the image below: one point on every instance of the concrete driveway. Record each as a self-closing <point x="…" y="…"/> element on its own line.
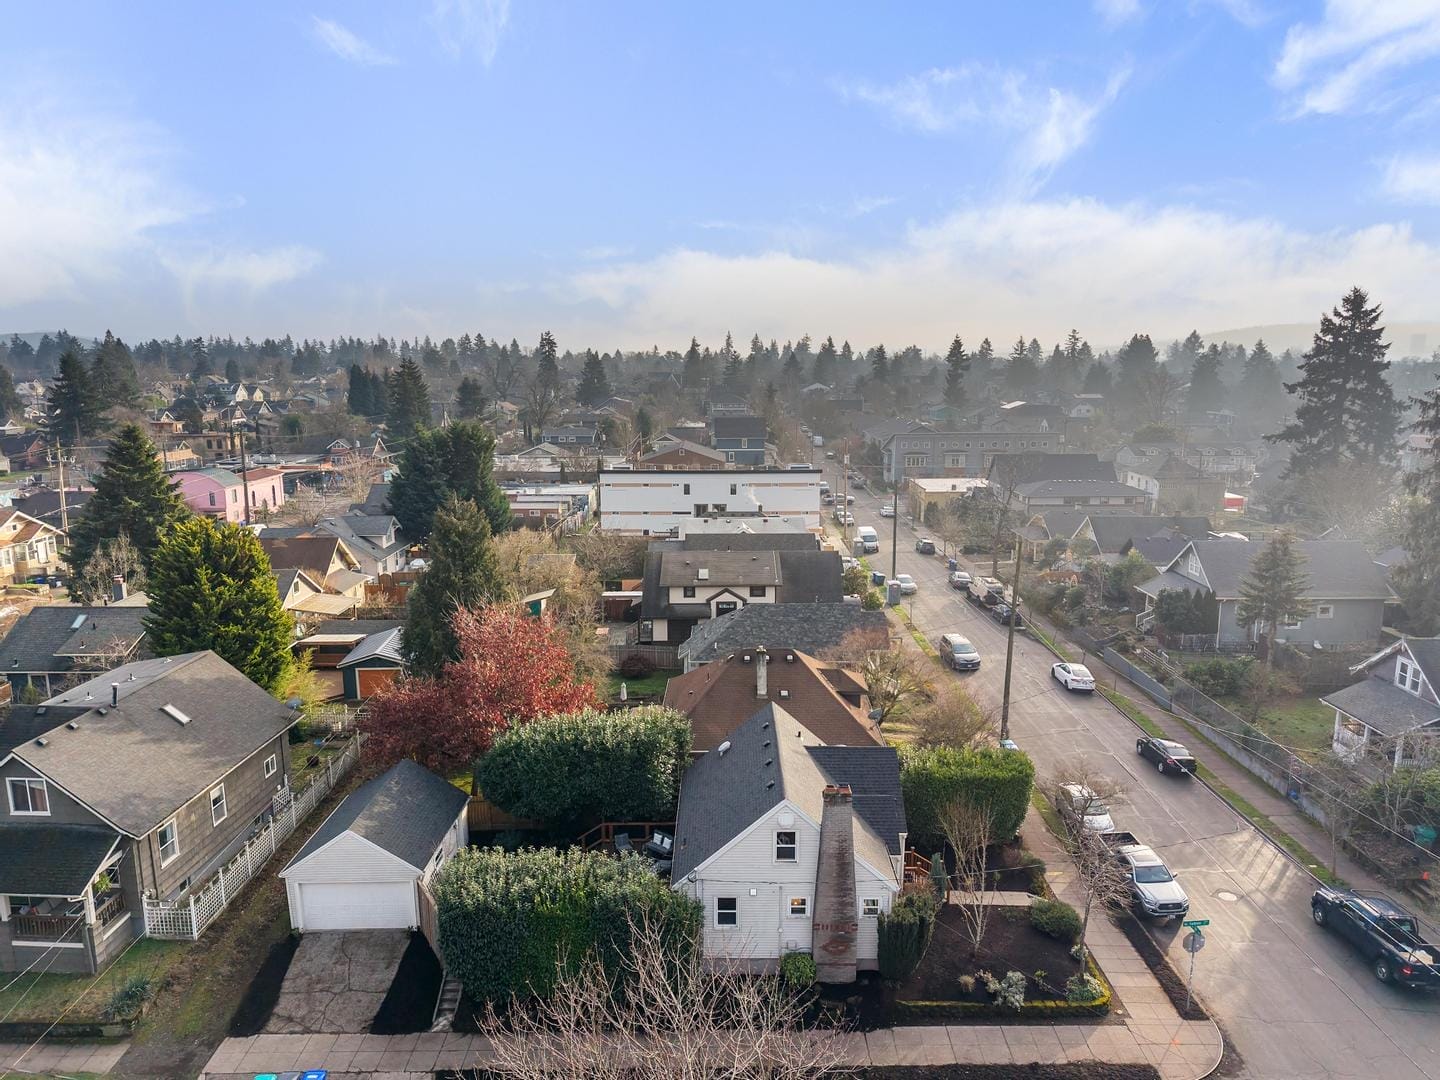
<point x="337" y="981"/>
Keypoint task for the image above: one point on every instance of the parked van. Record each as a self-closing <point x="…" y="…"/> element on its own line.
<point x="957" y="651"/>
<point x="867" y="535"/>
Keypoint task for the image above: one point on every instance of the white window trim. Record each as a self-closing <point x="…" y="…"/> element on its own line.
<point x="27" y="782"/>
<point x="796" y="846"/>
<point x="865" y="903"/>
<point x="1407" y="676"/>
<point x="174" y="828"/>
<point x="1324" y="611"/>
<point x="735" y="911"/>
<point x="791" y="913"/>
<point x="272" y="763"/>
<point x="224" y="807"/>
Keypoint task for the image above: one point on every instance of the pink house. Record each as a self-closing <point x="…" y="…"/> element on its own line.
<point x="217" y="492"/>
<point x="267" y="491"/>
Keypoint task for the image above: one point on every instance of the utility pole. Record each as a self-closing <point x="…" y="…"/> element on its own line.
<point x="244" y="480"/>
<point x="845" y="500"/>
<point x="60" y="465"/>
<point x="1010" y="644"/>
<point x="894" y="506"/>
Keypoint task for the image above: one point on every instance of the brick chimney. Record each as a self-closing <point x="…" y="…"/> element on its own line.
<point x="762" y="676"/>
<point x="836" y="927"/>
<point x="118" y="589"/>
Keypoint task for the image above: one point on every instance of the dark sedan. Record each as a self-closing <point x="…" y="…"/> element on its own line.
<point x="1168" y="756"/>
<point x="1005" y="615"/>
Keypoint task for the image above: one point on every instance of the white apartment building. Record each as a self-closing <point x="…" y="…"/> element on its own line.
<point x="657" y="502"/>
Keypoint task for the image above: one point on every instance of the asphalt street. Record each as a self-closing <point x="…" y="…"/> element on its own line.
<point x="1296" y="1001"/>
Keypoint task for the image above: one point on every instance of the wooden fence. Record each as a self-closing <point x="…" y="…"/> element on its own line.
<point x="661" y="656"/>
<point x="484" y="816"/>
<point x="429" y="917"/>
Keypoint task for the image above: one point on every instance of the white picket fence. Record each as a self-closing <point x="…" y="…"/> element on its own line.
<point x="187" y="918"/>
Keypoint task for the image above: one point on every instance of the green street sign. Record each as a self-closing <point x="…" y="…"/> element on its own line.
<point x="1195" y="924"/>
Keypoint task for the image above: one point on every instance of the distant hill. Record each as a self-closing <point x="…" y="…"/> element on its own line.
<point x="1406" y="338"/>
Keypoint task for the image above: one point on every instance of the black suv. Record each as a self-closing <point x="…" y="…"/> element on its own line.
<point x="1004" y="614"/>
<point x="925" y="546"/>
<point x="1385" y="934"/>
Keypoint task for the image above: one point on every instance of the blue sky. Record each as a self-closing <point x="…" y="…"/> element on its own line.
<point x="633" y="173"/>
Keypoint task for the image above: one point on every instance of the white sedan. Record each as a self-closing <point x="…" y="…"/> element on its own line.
<point x="1073" y="676"/>
<point x="907" y="585"/>
<point x="887" y="510"/>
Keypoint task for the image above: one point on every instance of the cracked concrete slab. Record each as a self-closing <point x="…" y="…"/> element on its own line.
<point x="337" y="981"/>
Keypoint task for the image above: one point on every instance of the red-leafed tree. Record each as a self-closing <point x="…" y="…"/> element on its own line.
<point x="512" y="668"/>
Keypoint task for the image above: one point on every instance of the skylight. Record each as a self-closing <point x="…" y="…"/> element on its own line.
<point x="79" y="622"/>
<point x="175" y="714"/>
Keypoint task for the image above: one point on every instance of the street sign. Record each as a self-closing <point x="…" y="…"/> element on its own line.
<point x="1194" y="942"/>
<point x="1195" y="924"/>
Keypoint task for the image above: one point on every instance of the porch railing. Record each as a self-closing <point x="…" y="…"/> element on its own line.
<point x="603" y="835"/>
<point x="48" y="928"/>
<point x="110" y="908"/>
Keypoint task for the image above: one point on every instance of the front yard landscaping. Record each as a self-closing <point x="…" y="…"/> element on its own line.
<point x="39" y="998"/>
<point x="1298" y="722"/>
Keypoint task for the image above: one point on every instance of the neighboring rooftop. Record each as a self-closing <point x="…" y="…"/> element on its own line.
<point x="809" y="628"/>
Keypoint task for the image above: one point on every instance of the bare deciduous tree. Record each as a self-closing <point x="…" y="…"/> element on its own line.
<point x="676" y="1015"/>
<point x="952" y="718"/>
<point x="967" y="827"/>
<point x="896" y="680"/>
<point x="113" y="558"/>
<point x="1098" y="874"/>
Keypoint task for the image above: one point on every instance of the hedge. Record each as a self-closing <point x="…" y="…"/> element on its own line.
<point x="577" y="769"/>
<point x="904" y="934"/>
<point x="508" y="921"/>
<point x="933" y="777"/>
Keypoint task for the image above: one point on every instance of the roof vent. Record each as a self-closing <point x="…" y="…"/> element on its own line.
<point x="766" y="744"/>
<point x="73" y="726"/>
<point x="42" y="741"/>
<point x="745" y="659"/>
<point x="725" y="746"/>
<point x="702" y="574"/>
<point x="769" y="783"/>
<point x="789" y="657"/>
<point x="784" y="693"/>
<point x="175" y="714"/>
<point x="769" y="761"/>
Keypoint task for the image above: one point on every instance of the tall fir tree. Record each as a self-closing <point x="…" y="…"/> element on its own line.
<point x="408" y="405"/>
<point x="594" y="382"/>
<point x="1260" y="395"/>
<point x="133" y="497"/>
<point x="200" y="362"/>
<point x="957" y="366"/>
<point x="463" y="571"/>
<point x="72" y="410"/>
<point x="826" y="361"/>
<point x="358" y="401"/>
<point x="1347" y="412"/>
<point x="1097" y="379"/>
<point x="457" y="461"/>
<point x="469" y="399"/>
<point x="982" y="364"/>
<point x="113" y="375"/>
<point x="879" y="364"/>
<point x="11" y="407"/>
<point x="693" y="373"/>
<point x="1274" y="590"/>
<point x="1417" y="578"/>
<point x="211" y="587"/>
<point x="1206" y="393"/>
<point x="1022" y="372"/>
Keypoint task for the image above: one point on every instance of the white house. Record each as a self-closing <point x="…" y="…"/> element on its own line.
<point x="1395" y="707"/>
<point x="363" y="867"/>
<point x="659" y="501"/>
<point x="791" y="845"/>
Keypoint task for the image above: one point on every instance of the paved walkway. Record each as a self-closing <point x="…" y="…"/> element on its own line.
<point x="61" y="1057"/>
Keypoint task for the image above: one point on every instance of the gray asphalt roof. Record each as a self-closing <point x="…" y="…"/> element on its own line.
<point x="1033" y="466"/>
<point x="406" y="811"/>
<point x="770" y="760"/>
<point x="1063" y="521"/>
<point x="721" y="568"/>
<point x="1337" y="569"/>
<point x="738" y="427"/>
<point x="1112" y="531"/>
<point x="136" y="764"/>
<point x="1383" y="706"/>
<point x="42" y="859"/>
<point x="48" y="638"/>
<point x="809" y="628"/>
<point x="1040" y="489"/>
<point x="385" y="644"/>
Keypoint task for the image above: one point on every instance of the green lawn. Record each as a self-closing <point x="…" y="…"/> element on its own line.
<point x="301" y="771"/>
<point x="1300" y="723"/>
<point x="43" y="997"/>
<point x="652" y="685"/>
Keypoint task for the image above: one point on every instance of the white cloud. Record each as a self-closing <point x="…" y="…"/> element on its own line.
<point x="862" y="205"/>
<point x="1413" y="178"/>
<point x="249" y="271"/>
<point x="1035" y="267"/>
<point x="345" y="44"/>
<point x="1048" y="124"/>
<point x="1115" y="12"/>
<point x="470" y="26"/>
<point x="1351" y="58"/>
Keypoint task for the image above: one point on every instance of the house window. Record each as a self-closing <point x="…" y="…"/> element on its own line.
<point x="169" y="838"/>
<point x="729" y="455"/>
<point x="1325" y="611"/>
<point x="218" y="810"/>
<point x="786" y="847"/>
<point x="28" y="795"/>
<point x="212" y="498"/>
<point x="1407" y="676"/>
<point x="757" y="590"/>
<point x="688" y="591"/>
<point x="687" y="489"/>
<point x="916" y="461"/>
<point x="732" y="489"/>
<point x="727" y="911"/>
<point x="870" y="907"/>
<point x="271" y="764"/>
<point x="799" y="906"/>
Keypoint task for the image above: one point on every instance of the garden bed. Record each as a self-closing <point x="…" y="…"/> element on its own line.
<point x="1011" y="867"/>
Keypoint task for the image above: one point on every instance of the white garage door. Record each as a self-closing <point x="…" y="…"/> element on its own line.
<point x="372" y="906"/>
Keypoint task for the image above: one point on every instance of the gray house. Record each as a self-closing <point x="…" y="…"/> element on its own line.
<point x="958" y="453"/>
<point x="740" y="438"/>
<point x="141" y="782"/>
<point x="1347" y="591"/>
<point x="1397" y="699"/>
<point x="810" y="628"/>
<point x="52" y="644"/>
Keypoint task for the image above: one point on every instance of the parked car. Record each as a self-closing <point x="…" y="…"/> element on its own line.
<point x="827" y="499"/>
<point x="1073" y="676"/>
<point x="1383" y="932"/>
<point x="957" y="651"/>
<point x="849" y="500"/>
<point x="1083" y="809"/>
<point x="959" y="579"/>
<point x="908" y="586"/>
<point x="887" y="510"/>
<point x="1005" y="615"/>
<point x="1168" y="756"/>
<point x="869" y="538"/>
<point x="844" y="517"/>
<point x="925" y="546"/>
<point x="830" y="454"/>
<point x="1154" y="888"/>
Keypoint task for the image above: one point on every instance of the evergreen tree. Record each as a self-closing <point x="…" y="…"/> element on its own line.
<point x="20" y="354"/>
<point x="358" y="401"/>
<point x="1347" y="411"/>
<point x="1206" y="393"/>
<point x="1274" y="591"/>
<point x="408" y="403"/>
<point x="879" y="364"/>
<point x="982" y="363"/>
<point x="211" y="587"/>
<point x="438" y="464"/>
<point x="1097" y="379"/>
<point x="469" y="399"/>
<point x="463" y="571"/>
<point x="11" y="407"/>
<point x="755" y="362"/>
<point x="594" y="383"/>
<point x="792" y="372"/>
<point x="1417" y="579"/>
<point x="72" y="411"/>
<point x="1260" y="395"/>
<point x="644" y="424"/>
<point x="693" y="373"/>
<point x="1181" y="355"/>
<point x="1022" y="372"/>
<point x="200" y="364"/>
<point x="133" y="498"/>
<point x="113" y="375"/>
<point x="232" y="370"/>
<point x="957" y="365"/>
<point x="825" y="364"/>
<point x="1134" y="365"/>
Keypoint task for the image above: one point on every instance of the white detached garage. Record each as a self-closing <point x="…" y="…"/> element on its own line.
<point x="362" y="868"/>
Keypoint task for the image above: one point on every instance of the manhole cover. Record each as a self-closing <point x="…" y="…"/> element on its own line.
<point x="1228" y="897"/>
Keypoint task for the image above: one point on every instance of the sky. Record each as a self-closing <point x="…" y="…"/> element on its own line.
<point x="630" y="174"/>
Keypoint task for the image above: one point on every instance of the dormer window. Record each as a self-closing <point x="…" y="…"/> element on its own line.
<point x="1192" y="565"/>
<point x="1407" y="676"/>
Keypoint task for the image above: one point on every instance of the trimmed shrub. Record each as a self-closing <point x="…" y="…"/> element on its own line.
<point x="1009" y="992"/>
<point x="579" y="768"/>
<point x="933" y="777"/>
<point x="1218" y="678"/>
<point x="797" y="969"/>
<point x="1036" y="866"/>
<point x="127" y="1000"/>
<point x="1056" y="919"/>
<point x="904" y="934"/>
<point x="511" y="922"/>
<point x="1083" y="989"/>
<point x="636" y="666"/>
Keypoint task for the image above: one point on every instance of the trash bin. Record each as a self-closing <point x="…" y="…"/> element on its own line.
<point x="953" y="565"/>
<point x="877" y="577"/>
<point x="892" y="593"/>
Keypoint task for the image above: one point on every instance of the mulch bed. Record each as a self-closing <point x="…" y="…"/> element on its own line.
<point x="1008" y="866"/>
<point x="1010" y="944"/>
<point x="1159" y="965"/>
<point x="409" y="1004"/>
<point x="254" y="1010"/>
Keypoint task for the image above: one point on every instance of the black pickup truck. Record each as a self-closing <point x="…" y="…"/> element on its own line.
<point x="1385" y="934"/>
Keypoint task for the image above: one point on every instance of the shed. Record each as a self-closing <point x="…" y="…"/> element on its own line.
<point x="362" y="868"/>
<point x="372" y="665"/>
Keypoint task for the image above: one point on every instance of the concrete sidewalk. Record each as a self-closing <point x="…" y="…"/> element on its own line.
<point x="61" y="1057"/>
